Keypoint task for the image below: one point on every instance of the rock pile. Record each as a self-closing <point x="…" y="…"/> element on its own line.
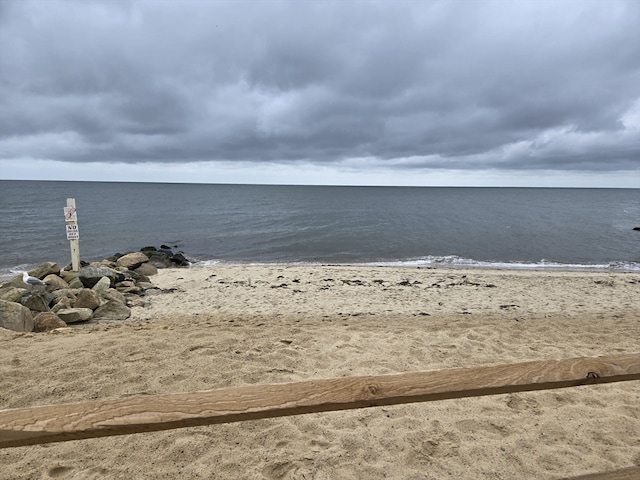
<point x="104" y="290"/>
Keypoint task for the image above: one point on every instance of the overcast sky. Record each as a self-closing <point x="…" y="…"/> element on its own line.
<point x="507" y="93"/>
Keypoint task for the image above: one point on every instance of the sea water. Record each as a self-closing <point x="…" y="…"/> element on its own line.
<point x="482" y="227"/>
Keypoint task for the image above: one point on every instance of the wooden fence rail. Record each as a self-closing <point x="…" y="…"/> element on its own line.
<point x="74" y="421"/>
<point x="629" y="473"/>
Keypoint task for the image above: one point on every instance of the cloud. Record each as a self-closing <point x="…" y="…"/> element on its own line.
<point x="471" y="85"/>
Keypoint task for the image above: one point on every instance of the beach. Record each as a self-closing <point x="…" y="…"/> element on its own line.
<point x="232" y="325"/>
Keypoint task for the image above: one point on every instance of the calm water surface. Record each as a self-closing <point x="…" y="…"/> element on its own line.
<point x="512" y="227"/>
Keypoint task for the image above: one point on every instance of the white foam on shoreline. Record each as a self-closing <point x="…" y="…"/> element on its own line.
<point x="452" y="261"/>
<point x="449" y="261"/>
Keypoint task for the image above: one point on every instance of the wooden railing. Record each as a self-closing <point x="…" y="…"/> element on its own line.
<point x="74" y="421"/>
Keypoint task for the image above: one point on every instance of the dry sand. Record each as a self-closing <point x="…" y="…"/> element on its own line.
<point x="239" y="325"/>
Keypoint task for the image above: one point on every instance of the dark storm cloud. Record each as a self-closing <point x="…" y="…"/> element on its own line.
<point x="467" y="84"/>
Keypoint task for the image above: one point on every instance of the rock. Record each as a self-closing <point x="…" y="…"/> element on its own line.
<point x="105" y="263"/>
<point x="73" y="315"/>
<point x="68" y="275"/>
<point x="54" y="282"/>
<point x="49" y="268"/>
<point x="128" y="287"/>
<point x="46" y="321"/>
<point x="179" y="260"/>
<point x="135" y="301"/>
<point x="166" y="249"/>
<point x="76" y="283"/>
<point x="89" y="276"/>
<point x="87" y="298"/>
<point x="63" y="304"/>
<point x="113" y="294"/>
<point x="12" y="294"/>
<point x="153" y="291"/>
<point x="14" y="316"/>
<point x="67" y="294"/>
<point x="159" y="259"/>
<point x="62" y="330"/>
<point x="135" y="276"/>
<point x="112" y="310"/>
<point x="132" y="260"/>
<point x="72" y="278"/>
<point x="114" y="258"/>
<point x="37" y="301"/>
<point x="14" y="282"/>
<point x="146" y="269"/>
<point x="102" y="286"/>
<point x="44" y="270"/>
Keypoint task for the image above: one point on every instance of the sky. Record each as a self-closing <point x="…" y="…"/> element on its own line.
<point x="433" y="93"/>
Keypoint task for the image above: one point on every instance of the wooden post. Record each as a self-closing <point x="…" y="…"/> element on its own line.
<point x="73" y="234"/>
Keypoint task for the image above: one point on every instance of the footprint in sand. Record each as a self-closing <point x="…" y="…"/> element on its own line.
<point x="58" y="471"/>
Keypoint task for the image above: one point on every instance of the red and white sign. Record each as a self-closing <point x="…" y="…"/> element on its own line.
<point x="70" y="214"/>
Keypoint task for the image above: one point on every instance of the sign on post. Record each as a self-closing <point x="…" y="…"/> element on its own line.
<point x="73" y="234"/>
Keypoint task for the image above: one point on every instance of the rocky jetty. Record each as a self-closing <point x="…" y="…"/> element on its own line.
<point x="103" y="290"/>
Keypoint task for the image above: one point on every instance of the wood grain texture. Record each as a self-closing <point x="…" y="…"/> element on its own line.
<point x="629" y="473"/>
<point x="57" y="423"/>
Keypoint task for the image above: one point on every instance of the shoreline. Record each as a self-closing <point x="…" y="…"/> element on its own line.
<point x="249" y="325"/>
<point x="6" y="273"/>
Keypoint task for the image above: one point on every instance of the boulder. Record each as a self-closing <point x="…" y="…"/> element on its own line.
<point x="146" y="269"/>
<point x="102" y="286"/>
<point x="62" y="304"/>
<point x="68" y="275"/>
<point x="14" y="316"/>
<point x="90" y="275"/>
<point x="87" y="298"/>
<point x="132" y="260"/>
<point x="44" y="270"/>
<point x="112" y="310"/>
<point x="144" y="286"/>
<point x="179" y="260"/>
<point x="15" y="282"/>
<point x="11" y="294"/>
<point x="54" y="282"/>
<point x="105" y="263"/>
<point x="114" y="258"/>
<point x="128" y="287"/>
<point x="67" y="293"/>
<point x="73" y="315"/>
<point x="113" y="294"/>
<point x="159" y="259"/>
<point x="37" y="301"/>
<point x="46" y="321"/>
<point x="137" y="277"/>
<point x="76" y="283"/>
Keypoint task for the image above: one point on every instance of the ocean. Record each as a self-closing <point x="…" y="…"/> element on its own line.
<point x="542" y="228"/>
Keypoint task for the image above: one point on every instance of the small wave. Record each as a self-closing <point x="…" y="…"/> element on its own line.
<point x="447" y="261"/>
<point x="460" y="262"/>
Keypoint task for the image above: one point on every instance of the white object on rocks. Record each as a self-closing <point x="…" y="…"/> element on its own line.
<point x="32" y="281"/>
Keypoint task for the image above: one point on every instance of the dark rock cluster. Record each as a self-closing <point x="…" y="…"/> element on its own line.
<point x="104" y="290"/>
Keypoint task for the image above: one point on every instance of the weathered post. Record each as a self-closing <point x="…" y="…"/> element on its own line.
<point x="73" y="234"/>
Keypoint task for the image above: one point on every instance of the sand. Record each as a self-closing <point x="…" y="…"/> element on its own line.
<point x="239" y="325"/>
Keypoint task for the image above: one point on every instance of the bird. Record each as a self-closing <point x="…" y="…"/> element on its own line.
<point x="32" y="281"/>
